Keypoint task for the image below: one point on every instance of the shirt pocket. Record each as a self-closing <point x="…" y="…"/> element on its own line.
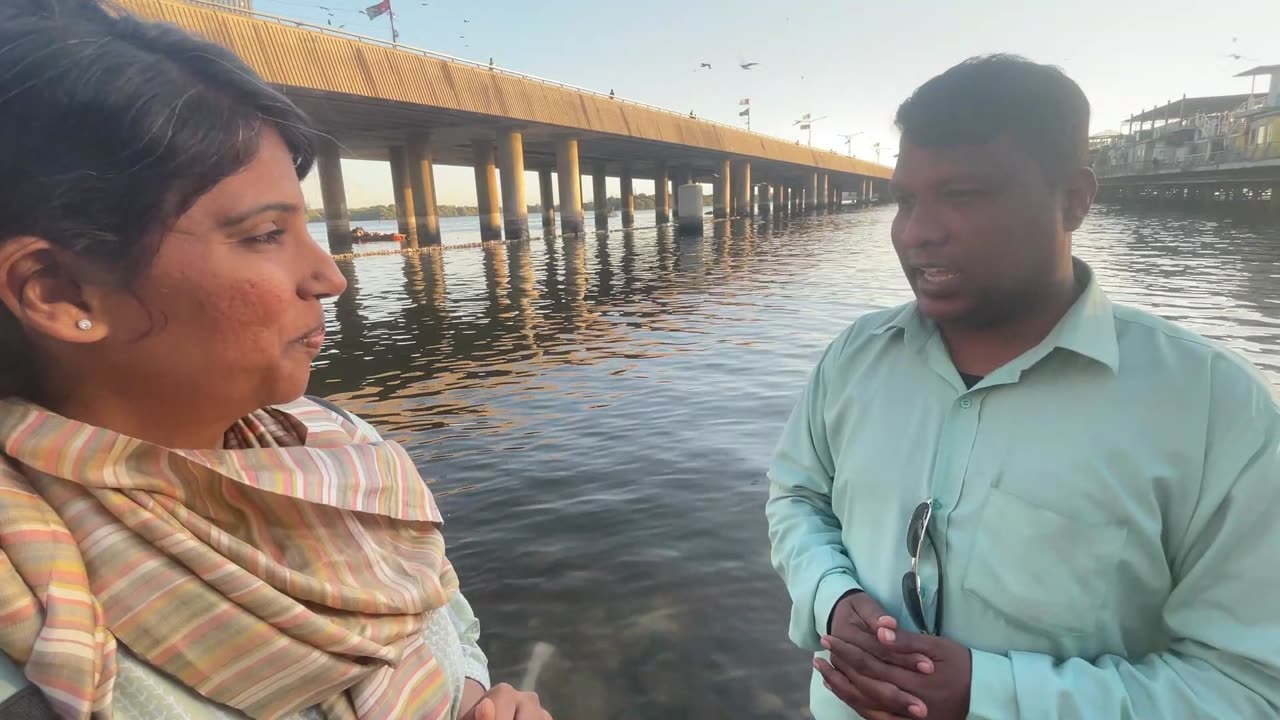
<point x="1042" y="570"/>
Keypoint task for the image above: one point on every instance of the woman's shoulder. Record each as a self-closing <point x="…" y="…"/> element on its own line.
<point x="321" y="414"/>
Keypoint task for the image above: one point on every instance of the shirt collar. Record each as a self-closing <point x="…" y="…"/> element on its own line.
<point x="1087" y="329"/>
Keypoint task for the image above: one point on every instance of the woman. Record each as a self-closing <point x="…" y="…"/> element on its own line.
<point x="183" y="536"/>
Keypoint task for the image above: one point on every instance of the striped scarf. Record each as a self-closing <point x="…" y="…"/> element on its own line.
<point x="295" y="569"/>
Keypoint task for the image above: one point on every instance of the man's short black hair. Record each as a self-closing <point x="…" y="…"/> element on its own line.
<point x="973" y="103"/>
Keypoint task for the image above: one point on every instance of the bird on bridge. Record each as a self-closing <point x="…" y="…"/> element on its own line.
<point x="705" y="65"/>
<point x="748" y="65"/>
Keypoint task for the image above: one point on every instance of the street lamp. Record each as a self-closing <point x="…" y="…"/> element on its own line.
<point x="806" y="122"/>
<point x="848" y="142"/>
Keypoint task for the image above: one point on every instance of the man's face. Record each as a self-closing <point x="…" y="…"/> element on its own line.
<point x="979" y="230"/>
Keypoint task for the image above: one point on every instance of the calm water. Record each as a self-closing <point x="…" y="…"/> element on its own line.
<point x="596" y="416"/>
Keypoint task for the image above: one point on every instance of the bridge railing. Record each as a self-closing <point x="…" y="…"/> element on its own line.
<point x="1199" y="161"/>
<point x="335" y="32"/>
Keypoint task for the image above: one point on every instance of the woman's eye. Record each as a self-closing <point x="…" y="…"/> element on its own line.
<point x="269" y="238"/>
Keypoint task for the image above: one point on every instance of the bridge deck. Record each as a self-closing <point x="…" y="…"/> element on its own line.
<point x="371" y="96"/>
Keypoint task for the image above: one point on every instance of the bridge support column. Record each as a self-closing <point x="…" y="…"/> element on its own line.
<point x="662" y="195"/>
<point x="515" y="208"/>
<point x="720" y="203"/>
<point x="766" y="200"/>
<point x="628" y="199"/>
<point x="866" y="191"/>
<point x="334" y="196"/>
<point x="600" y="193"/>
<point x="820" y="191"/>
<point x="811" y="194"/>
<point x="487" y="191"/>
<point x="742" y="189"/>
<point x="1275" y="199"/>
<point x="545" y="189"/>
<point x="406" y="224"/>
<point x="570" y="179"/>
<point x="422" y="182"/>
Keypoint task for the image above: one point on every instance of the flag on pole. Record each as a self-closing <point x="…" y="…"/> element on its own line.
<point x="382" y="8"/>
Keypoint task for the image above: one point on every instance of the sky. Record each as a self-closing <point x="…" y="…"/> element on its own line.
<point x="850" y="62"/>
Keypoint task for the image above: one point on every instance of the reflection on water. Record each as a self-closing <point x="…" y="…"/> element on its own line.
<point x="596" y="414"/>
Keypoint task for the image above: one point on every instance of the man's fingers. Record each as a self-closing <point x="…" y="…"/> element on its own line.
<point x="882" y="683"/>
<point x="872" y="613"/>
<point x="841" y="687"/>
<point x="891" y="654"/>
<point x="908" y="642"/>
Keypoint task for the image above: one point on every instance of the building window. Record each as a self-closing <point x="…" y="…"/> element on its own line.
<point x="1261" y="135"/>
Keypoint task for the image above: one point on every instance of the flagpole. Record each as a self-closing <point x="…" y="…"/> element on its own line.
<point x="395" y="36"/>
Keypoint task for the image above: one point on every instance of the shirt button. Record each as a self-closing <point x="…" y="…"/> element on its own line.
<point x="966" y="403"/>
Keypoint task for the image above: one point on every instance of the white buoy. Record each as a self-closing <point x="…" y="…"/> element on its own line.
<point x="689" y="200"/>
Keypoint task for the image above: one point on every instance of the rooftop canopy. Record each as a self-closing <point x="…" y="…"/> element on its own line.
<point x="1190" y="107"/>
<point x="1261" y="70"/>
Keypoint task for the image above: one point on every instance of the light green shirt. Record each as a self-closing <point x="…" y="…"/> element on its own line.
<point x="1107" y="512"/>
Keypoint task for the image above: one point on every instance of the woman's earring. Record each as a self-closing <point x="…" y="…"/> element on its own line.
<point x="84" y="324"/>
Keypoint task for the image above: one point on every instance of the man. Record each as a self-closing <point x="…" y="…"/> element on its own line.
<point x="1011" y="498"/>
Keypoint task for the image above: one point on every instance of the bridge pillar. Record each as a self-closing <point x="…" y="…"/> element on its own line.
<point x="628" y="199"/>
<point x="487" y="190"/>
<point x="515" y="208"/>
<point x="334" y="196"/>
<point x="422" y="182"/>
<point x="662" y="195"/>
<point x="600" y="193"/>
<point x="820" y="192"/>
<point x="866" y="191"/>
<point x="1275" y="198"/>
<point x="811" y="194"/>
<point x="742" y="189"/>
<point x="570" y="179"/>
<point x="545" y="189"/>
<point x="766" y="200"/>
<point x="720" y="202"/>
<point x="403" y="194"/>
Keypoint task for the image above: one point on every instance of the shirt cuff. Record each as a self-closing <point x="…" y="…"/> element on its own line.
<point x="831" y="588"/>
<point x="992" y="695"/>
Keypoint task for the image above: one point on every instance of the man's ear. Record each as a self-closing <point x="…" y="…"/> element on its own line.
<point x="41" y="286"/>
<point x="1081" y="188"/>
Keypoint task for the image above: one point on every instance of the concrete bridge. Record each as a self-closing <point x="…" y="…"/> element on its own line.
<point x="417" y="109"/>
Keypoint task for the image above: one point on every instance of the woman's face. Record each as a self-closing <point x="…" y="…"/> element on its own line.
<point x="228" y="313"/>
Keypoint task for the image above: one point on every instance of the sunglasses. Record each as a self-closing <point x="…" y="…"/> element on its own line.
<point x="912" y="593"/>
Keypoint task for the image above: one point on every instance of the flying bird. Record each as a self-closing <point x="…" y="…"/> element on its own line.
<point x="466" y="21"/>
<point x="1238" y="56"/>
<point x="748" y="65"/>
<point x="705" y="65"/>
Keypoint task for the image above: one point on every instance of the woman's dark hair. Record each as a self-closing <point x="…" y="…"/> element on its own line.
<point x="1038" y="106"/>
<point x="112" y="128"/>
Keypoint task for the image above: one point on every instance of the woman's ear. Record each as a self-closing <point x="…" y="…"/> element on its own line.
<point x="42" y="288"/>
